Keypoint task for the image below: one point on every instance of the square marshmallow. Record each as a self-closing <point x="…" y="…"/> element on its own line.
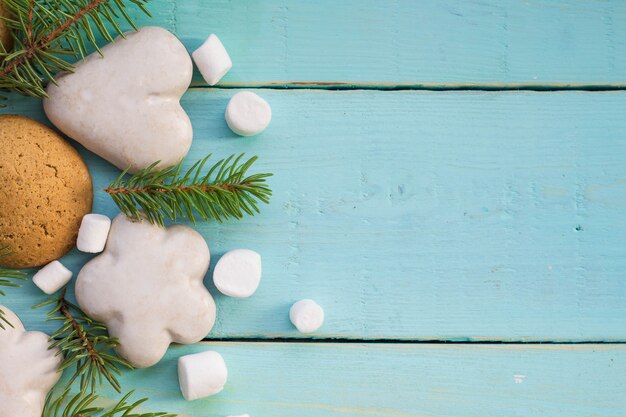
<point x="201" y="374"/>
<point x="52" y="277"/>
<point x="93" y="233"/>
<point x="212" y="60"/>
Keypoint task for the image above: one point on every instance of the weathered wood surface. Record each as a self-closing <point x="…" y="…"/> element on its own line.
<point x="416" y="215"/>
<point x="409" y="42"/>
<point x="390" y="380"/>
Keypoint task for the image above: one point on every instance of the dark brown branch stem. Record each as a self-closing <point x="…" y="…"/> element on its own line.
<point x="65" y="311"/>
<point x="186" y="188"/>
<point x="32" y="46"/>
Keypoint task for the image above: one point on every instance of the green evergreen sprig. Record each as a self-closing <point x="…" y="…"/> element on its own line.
<point x="85" y="345"/>
<point x="46" y="31"/>
<point x="82" y="405"/>
<point x="224" y="191"/>
<point x="8" y="278"/>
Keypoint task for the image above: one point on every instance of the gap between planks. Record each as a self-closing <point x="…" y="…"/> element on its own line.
<point x="406" y="341"/>
<point x="349" y="86"/>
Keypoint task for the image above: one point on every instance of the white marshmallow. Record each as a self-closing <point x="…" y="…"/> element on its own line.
<point x="243" y="415"/>
<point x="306" y="315"/>
<point x="247" y="114"/>
<point x="238" y="273"/>
<point x="212" y="60"/>
<point x="201" y="374"/>
<point x="52" y="277"/>
<point x="93" y="233"/>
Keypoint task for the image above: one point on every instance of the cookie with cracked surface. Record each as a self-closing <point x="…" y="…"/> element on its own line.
<point x="45" y="190"/>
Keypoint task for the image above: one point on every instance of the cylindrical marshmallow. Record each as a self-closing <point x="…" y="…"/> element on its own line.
<point x="238" y="273"/>
<point x="212" y="60"/>
<point x="306" y="315"/>
<point x="247" y="114"/>
<point x="201" y="374"/>
<point x="93" y="233"/>
<point x="52" y="277"/>
<point x="243" y="415"/>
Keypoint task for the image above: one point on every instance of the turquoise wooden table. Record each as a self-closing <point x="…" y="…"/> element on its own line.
<point x="450" y="184"/>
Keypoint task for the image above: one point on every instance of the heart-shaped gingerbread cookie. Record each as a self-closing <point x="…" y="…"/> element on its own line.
<point x="124" y="105"/>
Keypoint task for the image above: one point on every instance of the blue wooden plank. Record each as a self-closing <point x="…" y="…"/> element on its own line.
<point x="314" y="380"/>
<point x="403" y="41"/>
<point x="417" y="215"/>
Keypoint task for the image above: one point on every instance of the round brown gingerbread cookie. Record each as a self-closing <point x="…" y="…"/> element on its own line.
<point x="45" y="190"/>
<point x="5" y="35"/>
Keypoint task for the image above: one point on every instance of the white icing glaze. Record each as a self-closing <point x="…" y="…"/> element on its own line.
<point x="147" y="288"/>
<point x="125" y="106"/>
<point x="28" y="369"/>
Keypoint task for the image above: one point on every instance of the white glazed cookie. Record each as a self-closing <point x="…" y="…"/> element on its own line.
<point x="124" y="105"/>
<point x="28" y="369"/>
<point x="147" y="288"/>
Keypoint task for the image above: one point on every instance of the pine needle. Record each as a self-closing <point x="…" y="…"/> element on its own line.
<point x="224" y="191"/>
<point x="81" y="405"/>
<point x="45" y="31"/>
<point x="8" y="278"/>
<point x="66" y="406"/>
<point x="86" y="346"/>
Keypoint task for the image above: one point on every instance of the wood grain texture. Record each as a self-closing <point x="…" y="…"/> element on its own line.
<point x="415" y="215"/>
<point x="312" y="380"/>
<point x="404" y="41"/>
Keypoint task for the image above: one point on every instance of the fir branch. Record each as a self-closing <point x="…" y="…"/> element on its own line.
<point x="128" y="409"/>
<point x="45" y="30"/>
<point x="85" y="344"/>
<point x="224" y="191"/>
<point x="8" y="278"/>
<point x="81" y="405"/>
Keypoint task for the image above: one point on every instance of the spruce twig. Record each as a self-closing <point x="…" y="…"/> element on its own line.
<point x="127" y="409"/>
<point x="46" y="30"/>
<point x="224" y="191"/>
<point x="81" y="405"/>
<point x="8" y="278"/>
<point x="85" y="344"/>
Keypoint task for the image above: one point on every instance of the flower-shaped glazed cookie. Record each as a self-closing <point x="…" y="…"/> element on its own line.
<point x="28" y="369"/>
<point x="147" y="288"/>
